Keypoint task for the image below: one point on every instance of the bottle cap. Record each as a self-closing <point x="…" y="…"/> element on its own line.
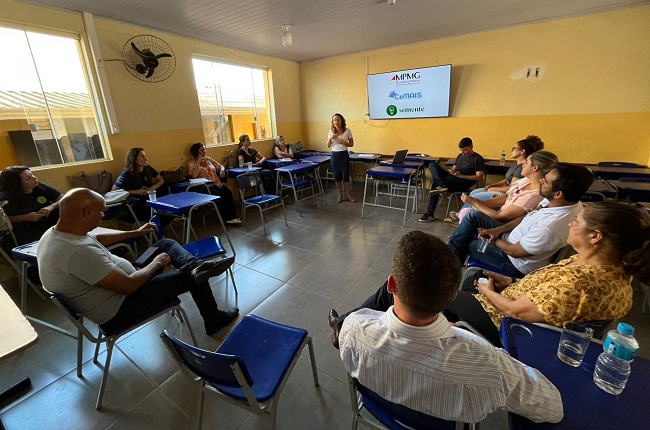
<point x="625" y="329"/>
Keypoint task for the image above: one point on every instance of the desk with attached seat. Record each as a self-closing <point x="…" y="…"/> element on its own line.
<point x="404" y="175"/>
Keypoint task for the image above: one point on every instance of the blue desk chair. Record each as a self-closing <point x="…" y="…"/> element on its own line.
<point x="391" y="415"/>
<point x="110" y="337"/>
<point x="252" y="182"/>
<point x="204" y="249"/>
<point x="250" y="367"/>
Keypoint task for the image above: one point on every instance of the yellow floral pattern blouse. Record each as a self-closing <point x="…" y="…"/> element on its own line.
<point x="571" y="293"/>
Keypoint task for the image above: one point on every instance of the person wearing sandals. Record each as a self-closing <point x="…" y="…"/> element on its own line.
<point x="469" y="168"/>
<point x="339" y="138"/>
<point x="202" y="166"/>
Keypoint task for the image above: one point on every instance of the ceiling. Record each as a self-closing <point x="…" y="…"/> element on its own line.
<point x="325" y="28"/>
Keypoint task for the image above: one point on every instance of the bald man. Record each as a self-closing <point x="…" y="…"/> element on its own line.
<point x="107" y="289"/>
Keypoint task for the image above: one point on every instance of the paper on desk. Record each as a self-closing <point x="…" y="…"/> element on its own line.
<point x="285" y="159"/>
<point x="366" y="155"/>
<point x="198" y="180"/>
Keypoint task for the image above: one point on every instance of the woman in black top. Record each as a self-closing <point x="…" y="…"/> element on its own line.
<point x="250" y="155"/>
<point x="32" y="207"/>
<point x="138" y="178"/>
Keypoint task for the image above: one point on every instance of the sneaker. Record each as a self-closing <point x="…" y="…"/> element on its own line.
<point x="207" y="269"/>
<point x="438" y="190"/>
<point x="426" y="217"/>
<point x="224" y="319"/>
<point x="234" y="221"/>
<point x="453" y="216"/>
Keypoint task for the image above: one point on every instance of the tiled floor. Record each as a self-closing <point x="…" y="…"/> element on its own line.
<point x="328" y="258"/>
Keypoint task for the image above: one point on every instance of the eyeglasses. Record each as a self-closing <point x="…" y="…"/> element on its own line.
<point x="515" y="147"/>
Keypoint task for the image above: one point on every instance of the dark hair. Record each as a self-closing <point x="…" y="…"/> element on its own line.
<point x="627" y="230"/>
<point x="426" y="273"/>
<point x="10" y="181"/>
<point x="241" y="139"/>
<point x="129" y="160"/>
<point x="465" y="142"/>
<point x="572" y="180"/>
<point x="343" y="123"/>
<point x="195" y="148"/>
<point x="545" y="160"/>
<point x="531" y="144"/>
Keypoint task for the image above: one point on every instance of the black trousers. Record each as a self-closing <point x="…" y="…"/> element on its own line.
<point x="162" y="288"/>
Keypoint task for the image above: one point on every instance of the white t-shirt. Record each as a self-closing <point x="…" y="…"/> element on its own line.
<point x="541" y="233"/>
<point x="71" y="265"/>
<point x="346" y="136"/>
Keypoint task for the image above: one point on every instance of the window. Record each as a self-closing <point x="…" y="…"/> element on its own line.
<point x="46" y="110"/>
<point x="233" y="101"/>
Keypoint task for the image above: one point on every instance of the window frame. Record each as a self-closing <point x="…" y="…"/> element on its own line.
<point x="91" y="82"/>
<point x="269" y="109"/>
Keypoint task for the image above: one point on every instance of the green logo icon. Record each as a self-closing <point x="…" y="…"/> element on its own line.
<point x="391" y="110"/>
<point x="41" y="199"/>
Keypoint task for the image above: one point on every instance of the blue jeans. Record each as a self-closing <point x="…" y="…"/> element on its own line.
<point x="162" y="288"/>
<point x="495" y="258"/>
<point x="441" y="178"/>
<point x="460" y="240"/>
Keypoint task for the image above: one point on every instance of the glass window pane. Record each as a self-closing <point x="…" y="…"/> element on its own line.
<point x="233" y="101"/>
<point x="45" y="103"/>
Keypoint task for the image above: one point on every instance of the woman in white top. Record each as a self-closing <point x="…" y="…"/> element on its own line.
<point x="340" y="139"/>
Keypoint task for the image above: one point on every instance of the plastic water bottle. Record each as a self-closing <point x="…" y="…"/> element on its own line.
<point x="613" y="364"/>
<point x="241" y="160"/>
<point x="502" y="160"/>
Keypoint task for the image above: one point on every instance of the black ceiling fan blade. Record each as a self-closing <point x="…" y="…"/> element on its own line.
<point x="163" y="55"/>
<point x="143" y="55"/>
<point x="151" y="70"/>
<point x="141" y="68"/>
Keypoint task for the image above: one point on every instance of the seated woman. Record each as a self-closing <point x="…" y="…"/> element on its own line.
<point x="202" y="166"/>
<point x="32" y="207"/>
<point x="138" y="178"/>
<point x="612" y="242"/>
<point x="281" y="149"/>
<point x="522" y="197"/>
<point x="519" y="152"/>
<point x="250" y="155"/>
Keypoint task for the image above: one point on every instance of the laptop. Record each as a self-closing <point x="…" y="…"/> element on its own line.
<point x="399" y="157"/>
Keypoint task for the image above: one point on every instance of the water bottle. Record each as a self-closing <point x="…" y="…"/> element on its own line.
<point x="613" y="364"/>
<point x="241" y="160"/>
<point x="502" y="160"/>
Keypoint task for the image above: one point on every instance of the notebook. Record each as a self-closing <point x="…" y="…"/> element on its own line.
<point x="399" y="157"/>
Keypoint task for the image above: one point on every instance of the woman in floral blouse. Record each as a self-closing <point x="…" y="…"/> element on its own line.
<point x="612" y="244"/>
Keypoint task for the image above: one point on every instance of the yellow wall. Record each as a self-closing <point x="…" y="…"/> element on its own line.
<point x="164" y="118"/>
<point x="590" y="103"/>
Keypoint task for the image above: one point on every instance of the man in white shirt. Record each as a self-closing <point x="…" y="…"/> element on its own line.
<point x="107" y="289"/>
<point x="533" y="239"/>
<point x="411" y="355"/>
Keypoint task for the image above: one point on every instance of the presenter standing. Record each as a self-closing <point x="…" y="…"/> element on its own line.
<point x="340" y="139"/>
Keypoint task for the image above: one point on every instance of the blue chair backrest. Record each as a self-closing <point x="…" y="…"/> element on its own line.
<point x="249" y="180"/>
<point x="617" y="164"/>
<point x="211" y="366"/>
<point x="399" y="417"/>
<point x="160" y="230"/>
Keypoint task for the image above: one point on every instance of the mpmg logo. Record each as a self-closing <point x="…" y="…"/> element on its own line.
<point x="405" y="76"/>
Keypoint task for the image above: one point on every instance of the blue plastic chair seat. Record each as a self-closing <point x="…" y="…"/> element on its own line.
<point x="205" y="248"/>
<point x="473" y="262"/>
<point x="298" y="183"/>
<point x="267" y="348"/>
<point x="263" y="199"/>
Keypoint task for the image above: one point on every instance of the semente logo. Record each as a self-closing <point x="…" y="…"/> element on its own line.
<point x="397" y="96"/>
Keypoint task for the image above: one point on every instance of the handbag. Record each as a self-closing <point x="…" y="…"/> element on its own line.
<point x="173" y="176"/>
<point x="101" y="182"/>
<point x="231" y="159"/>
